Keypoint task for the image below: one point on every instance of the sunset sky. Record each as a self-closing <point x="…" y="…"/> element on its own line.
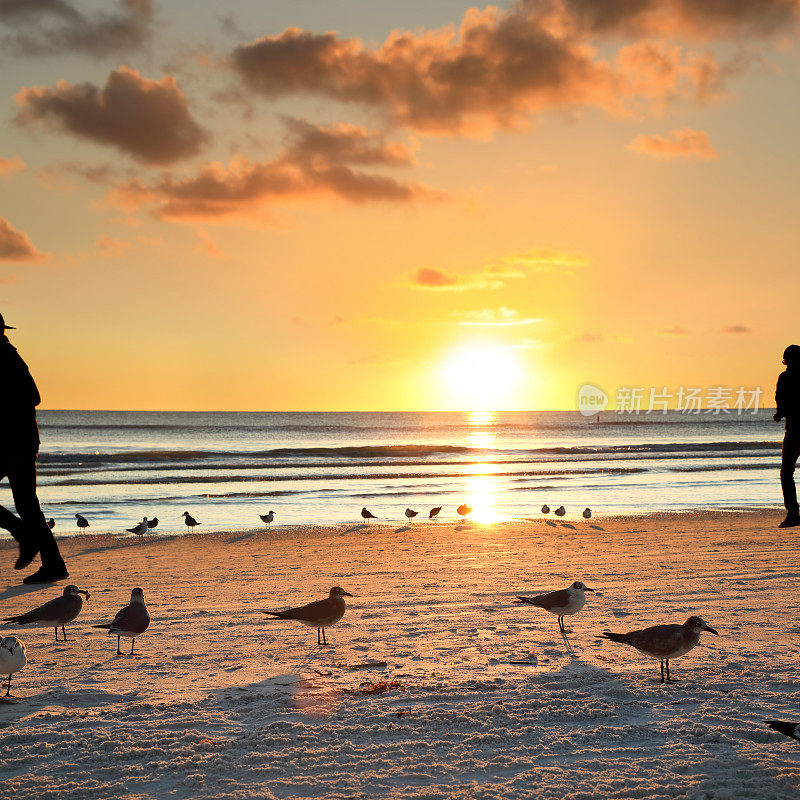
<point x="425" y="205"/>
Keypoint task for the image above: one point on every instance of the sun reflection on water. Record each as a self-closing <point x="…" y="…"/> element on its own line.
<point x="482" y="483"/>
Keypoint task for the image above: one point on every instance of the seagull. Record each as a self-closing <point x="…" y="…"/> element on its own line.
<point x="665" y="642"/>
<point x="51" y="523"/>
<point x="563" y="602"/>
<point x="560" y="511"/>
<point x="267" y="518"/>
<point x="54" y="613"/>
<point x="367" y="515"/>
<point x="82" y="521"/>
<point x="12" y="658"/>
<point x="434" y="512"/>
<point x="411" y="514"/>
<point x="151" y="523"/>
<point x="190" y="520"/>
<point x="464" y="509"/>
<point x="131" y="621"/>
<point x="790" y="729"/>
<point x="545" y="510"/>
<point x="320" y="614"/>
<point x="140" y="529"/>
<point x="587" y="514"/>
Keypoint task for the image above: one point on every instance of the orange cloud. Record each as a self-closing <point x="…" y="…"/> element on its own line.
<point x="146" y="119"/>
<point x="685" y="143"/>
<point x="495" y="317"/>
<point x="208" y="246"/>
<point x="15" y="245"/>
<point x="8" y="166"/>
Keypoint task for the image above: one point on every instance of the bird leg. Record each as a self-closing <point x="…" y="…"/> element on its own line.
<point x="662" y="670"/>
<point x="56" y="630"/>
<point x="119" y="652"/>
<point x="133" y="641"/>
<point x="8" y="687"/>
<point x="64" y="633"/>
<point x="324" y="640"/>
<point x="669" y="677"/>
<point x="561" y="624"/>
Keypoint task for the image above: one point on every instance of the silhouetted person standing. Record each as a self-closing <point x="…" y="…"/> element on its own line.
<point x="787" y="400"/>
<point x="19" y="447"/>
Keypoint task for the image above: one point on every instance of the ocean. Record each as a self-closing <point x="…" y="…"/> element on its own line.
<point x="115" y="467"/>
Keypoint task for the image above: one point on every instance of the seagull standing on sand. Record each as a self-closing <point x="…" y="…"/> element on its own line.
<point x="267" y="518"/>
<point x="411" y="514"/>
<point x="545" y="510"/>
<point x="131" y="621"/>
<point x="564" y="602"/>
<point x="54" y="613"/>
<point x="190" y="520"/>
<point x="790" y="729"/>
<point x="587" y="514"/>
<point x="560" y="511"/>
<point x="464" y="509"/>
<point x="434" y="512"/>
<point x="12" y="658"/>
<point x="151" y="523"/>
<point x="51" y="523"/>
<point x="664" y="642"/>
<point x="320" y="614"/>
<point x="140" y="529"/>
<point x="82" y="521"/>
<point x="367" y="515"/>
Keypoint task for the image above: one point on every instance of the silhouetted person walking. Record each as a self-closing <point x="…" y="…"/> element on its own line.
<point x="787" y="400"/>
<point x="19" y="447"/>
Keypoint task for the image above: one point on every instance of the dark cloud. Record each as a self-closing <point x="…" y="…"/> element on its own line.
<point x="737" y="329"/>
<point x="48" y="27"/>
<point x="316" y="160"/>
<point x="15" y="245"/>
<point x="149" y="120"/>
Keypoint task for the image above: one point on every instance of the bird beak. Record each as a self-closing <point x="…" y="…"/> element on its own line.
<point x="710" y="629"/>
<point x="587" y="589"/>
<point x="347" y="594"/>
<point x="83" y="591"/>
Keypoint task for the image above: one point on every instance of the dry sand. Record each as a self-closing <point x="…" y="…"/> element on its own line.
<point x="218" y="702"/>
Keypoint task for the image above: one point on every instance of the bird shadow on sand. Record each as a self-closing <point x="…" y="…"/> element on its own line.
<point x="403" y="529"/>
<point x="597" y="527"/>
<point x="550" y="523"/>
<point x="568" y="525"/>
<point x="462" y="526"/>
<point x="358" y="527"/>
<point x="22" y="589"/>
<point x="242" y="538"/>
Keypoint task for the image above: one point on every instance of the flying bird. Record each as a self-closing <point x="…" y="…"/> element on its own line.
<point x="267" y="518"/>
<point x="563" y="602"/>
<point x="51" y="523"/>
<point x="560" y="511"/>
<point x="131" y="621"/>
<point x="320" y="614"/>
<point x="434" y="512"/>
<point x="54" y="613"/>
<point x="665" y="642"/>
<point x="12" y="658"/>
<point x="190" y="520"/>
<point x="140" y="529"/>
<point x="367" y="515"/>
<point x="411" y="514"/>
<point x="790" y="729"/>
<point x="82" y="521"/>
<point x="464" y="509"/>
<point x="151" y="523"/>
<point x="587" y="514"/>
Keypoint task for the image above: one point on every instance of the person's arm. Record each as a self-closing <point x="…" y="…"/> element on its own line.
<point x="780" y="398"/>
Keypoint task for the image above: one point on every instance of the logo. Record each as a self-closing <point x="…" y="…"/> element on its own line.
<point x="591" y="400"/>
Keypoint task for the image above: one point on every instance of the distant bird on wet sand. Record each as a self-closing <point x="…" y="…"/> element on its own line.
<point x="434" y="512"/>
<point x="665" y="642"/>
<point x="790" y="729"/>
<point x="320" y="614"/>
<point x="82" y="521"/>
<point x="267" y="518"/>
<point x="190" y="520"/>
<point x="564" y="602"/>
<point x="545" y="510"/>
<point x="560" y="511"/>
<point x="54" y="613"/>
<point x="463" y="510"/>
<point x="140" y="529"/>
<point x="151" y="523"/>
<point x="51" y="523"/>
<point x="131" y="621"/>
<point x="410" y="514"/>
<point x="12" y="658"/>
<point x="367" y="515"/>
<point x="587" y="514"/>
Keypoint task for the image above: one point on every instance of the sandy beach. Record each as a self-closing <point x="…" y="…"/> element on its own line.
<point x="217" y="702"/>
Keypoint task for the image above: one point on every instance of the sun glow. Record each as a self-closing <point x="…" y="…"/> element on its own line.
<point x="481" y="377"/>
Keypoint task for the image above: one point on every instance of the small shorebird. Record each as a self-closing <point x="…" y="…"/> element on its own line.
<point x="267" y="518"/>
<point x="51" y="523"/>
<point x="560" y="511"/>
<point x="12" y="658"/>
<point x="140" y="529"/>
<point x="190" y="520"/>
<point x="545" y="510"/>
<point x="587" y="514"/>
<point x="82" y="521"/>
<point x="320" y="614"/>
<point x="562" y="603"/>
<point x="464" y="509"/>
<point x="790" y="729"/>
<point x="664" y="642"/>
<point x="151" y="523"/>
<point x="411" y="514"/>
<point x="367" y="515"/>
<point x="434" y="512"/>
<point x="54" y="613"/>
<point x="131" y="621"/>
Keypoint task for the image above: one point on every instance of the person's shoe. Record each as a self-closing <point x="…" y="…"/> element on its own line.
<point x="47" y="574"/>
<point x="26" y="555"/>
<point x="791" y="521"/>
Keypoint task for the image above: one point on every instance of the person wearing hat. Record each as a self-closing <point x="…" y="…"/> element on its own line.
<point x="787" y="402"/>
<point x="19" y="448"/>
